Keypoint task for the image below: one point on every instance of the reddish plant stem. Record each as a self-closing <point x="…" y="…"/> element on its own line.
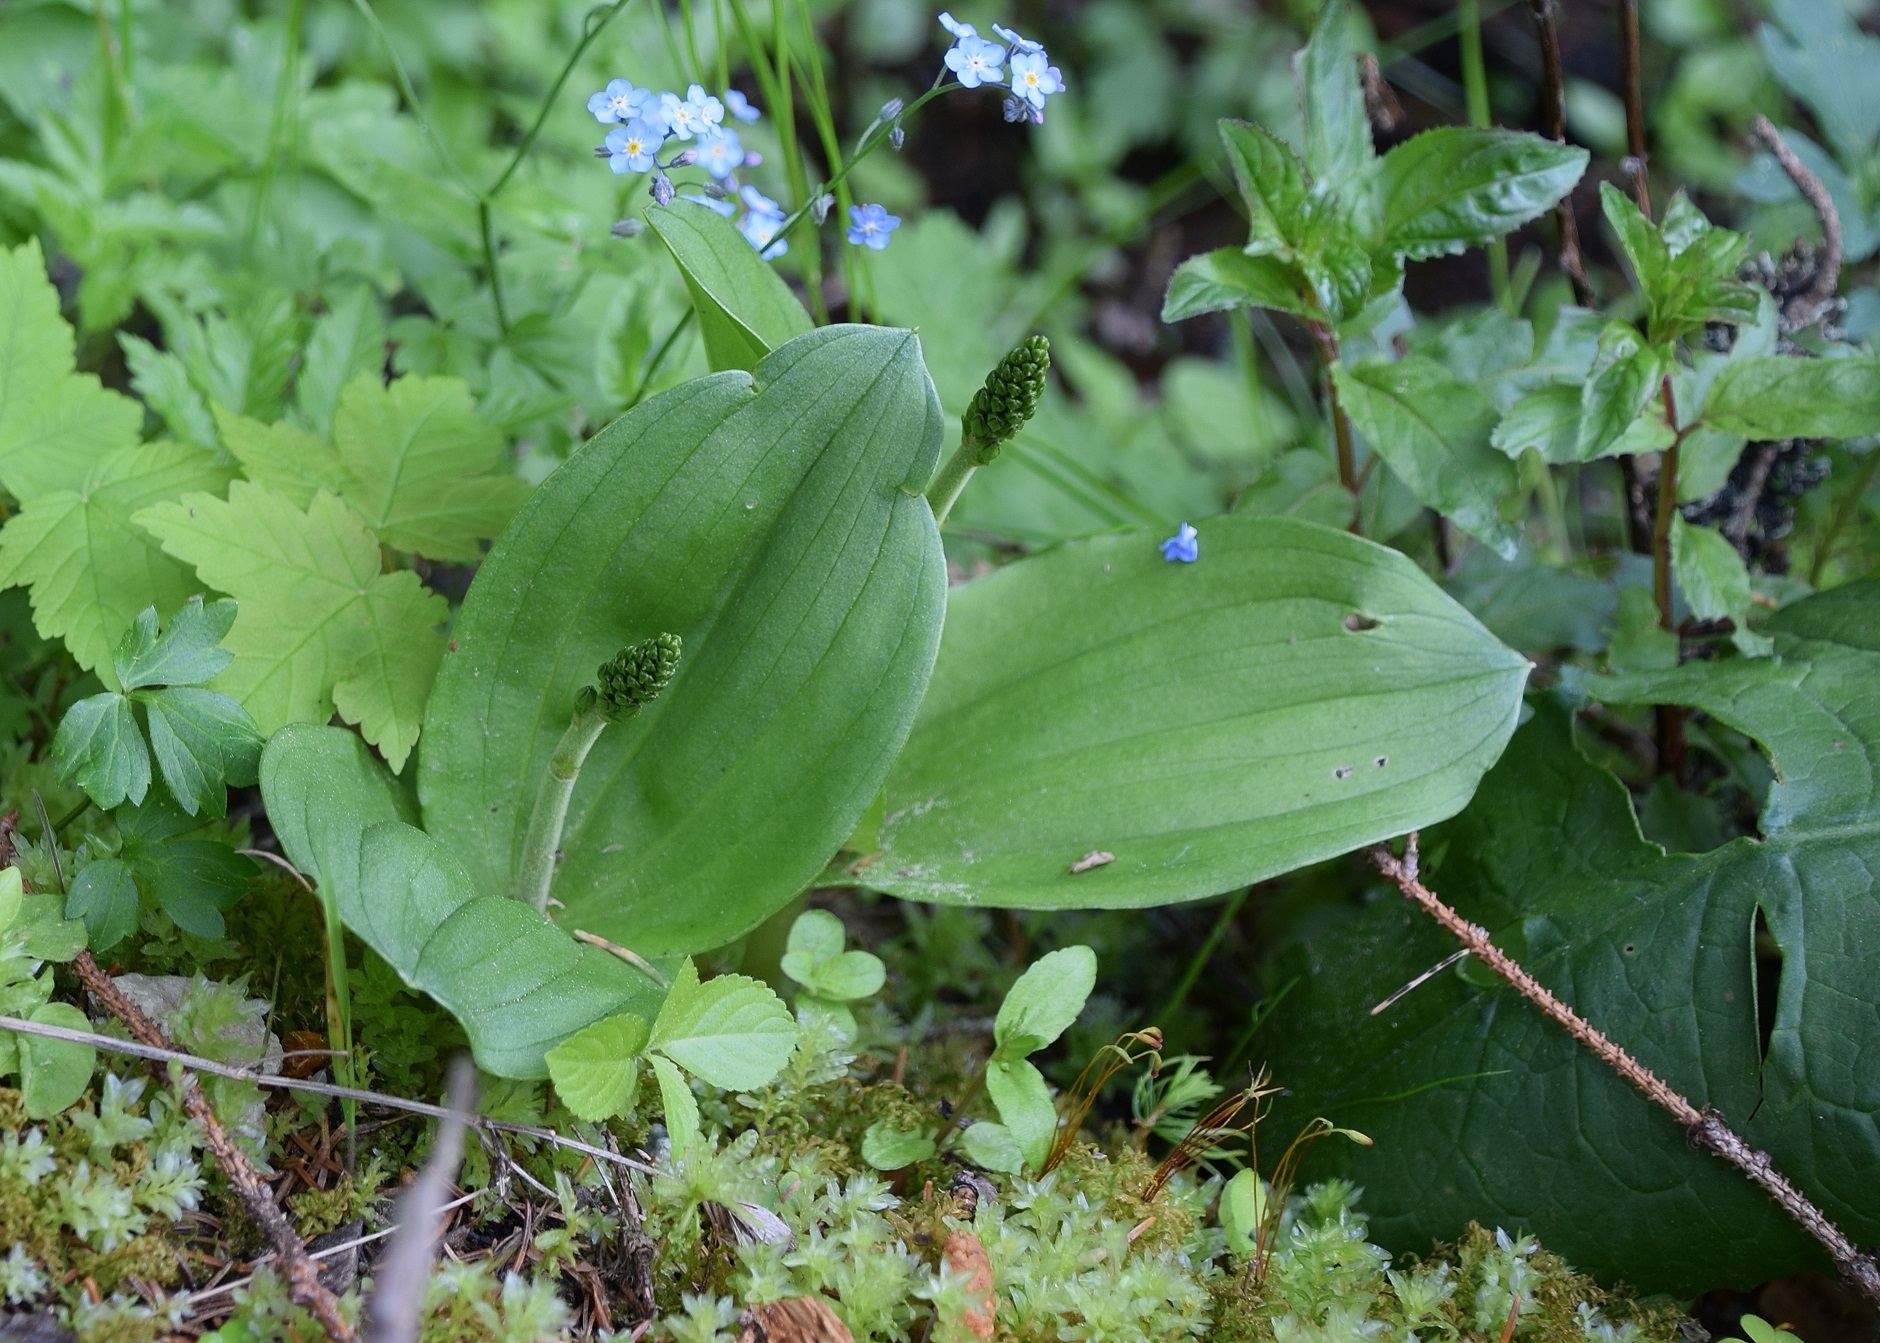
<point x="303" y="1279"/>
<point x="1634" y="106"/>
<point x="1554" y="122"/>
<point x="1706" y="1127"/>
<point x="1327" y="344"/>
<point x="1671" y="753"/>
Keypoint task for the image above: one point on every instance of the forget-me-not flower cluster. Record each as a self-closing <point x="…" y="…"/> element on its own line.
<point x="645" y="121"/>
<point x="976" y="60"/>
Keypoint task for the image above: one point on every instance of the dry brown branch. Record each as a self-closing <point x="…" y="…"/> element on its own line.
<point x="303" y="1278"/>
<point x="1806" y="308"/>
<point x="395" y="1311"/>
<point x="1635" y="162"/>
<point x="1706" y="1128"/>
<point x="196" y="1063"/>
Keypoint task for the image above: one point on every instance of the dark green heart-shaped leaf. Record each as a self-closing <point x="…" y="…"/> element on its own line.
<point x="1483" y="1109"/>
<point x="519" y="985"/>
<point x="744" y="308"/>
<point x="1294" y="694"/>
<point x="768" y="521"/>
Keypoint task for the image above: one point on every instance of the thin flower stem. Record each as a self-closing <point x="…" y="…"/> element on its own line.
<point x="1666" y="511"/>
<point x="591" y="28"/>
<point x="871" y="140"/>
<point x="1475" y="89"/>
<point x="659" y="356"/>
<point x="1554" y="122"/>
<point x="537" y="868"/>
<point x="1706" y="1128"/>
<point x="1327" y="344"/>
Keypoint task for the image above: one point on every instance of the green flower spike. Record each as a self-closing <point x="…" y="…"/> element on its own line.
<point x="626" y="683"/>
<point x="998" y="411"/>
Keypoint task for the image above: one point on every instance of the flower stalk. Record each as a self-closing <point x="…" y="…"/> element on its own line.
<point x="625" y="684"/>
<point x="997" y="412"/>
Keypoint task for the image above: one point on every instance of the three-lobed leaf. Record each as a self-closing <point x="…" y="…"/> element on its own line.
<point x="1295" y="694"/>
<point x="99" y="747"/>
<point x="731" y="1030"/>
<point x="187" y="652"/>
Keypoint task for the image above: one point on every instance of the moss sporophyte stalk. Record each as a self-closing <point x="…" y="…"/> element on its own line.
<point x="624" y="684"/>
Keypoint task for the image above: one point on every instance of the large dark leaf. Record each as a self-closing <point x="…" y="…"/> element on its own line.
<point x="1483" y="1109"/>
<point x="770" y="521"/>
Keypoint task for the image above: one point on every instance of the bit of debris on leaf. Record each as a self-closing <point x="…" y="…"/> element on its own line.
<point x="800" y="1319"/>
<point x="1095" y="858"/>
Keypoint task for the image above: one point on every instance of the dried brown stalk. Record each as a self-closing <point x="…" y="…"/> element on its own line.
<point x="303" y="1279"/>
<point x="1706" y="1128"/>
<point x="1636" y="159"/>
<point x="1806" y="308"/>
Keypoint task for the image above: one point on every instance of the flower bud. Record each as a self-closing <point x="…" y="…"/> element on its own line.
<point x="661" y="190"/>
<point x="896" y="138"/>
<point x="628" y="228"/>
<point x="1010" y="398"/>
<point x="635" y="676"/>
<point x="892" y="109"/>
<point x="819" y="209"/>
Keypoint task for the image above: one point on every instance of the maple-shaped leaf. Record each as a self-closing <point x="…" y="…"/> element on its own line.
<point x="90" y="570"/>
<point x="321" y="626"/>
<point x="56" y="425"/>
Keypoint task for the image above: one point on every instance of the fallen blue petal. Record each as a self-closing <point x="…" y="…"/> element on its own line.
<point x="1183" y="546"/>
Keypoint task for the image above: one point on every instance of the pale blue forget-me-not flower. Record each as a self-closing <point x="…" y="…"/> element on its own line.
<point x="761" y="222"/>
<point x="725" y="208"/>
<point x="1034" y="80"/>
<point x="975" y="61"/>
<point x="1184" y="546"/>
<point x="1014" y="41"/>
<point x="740" y="107"/>
<point x="619" y="101"/>
<point x="694" y="114"/>
<point x="634" y="147"/>
<point x="719" y="152"/>
<point x="870" y="226"/>
<point x="954" y="26"/>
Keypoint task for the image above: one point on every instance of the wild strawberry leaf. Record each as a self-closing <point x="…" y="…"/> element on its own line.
<point x="321" y="626"/>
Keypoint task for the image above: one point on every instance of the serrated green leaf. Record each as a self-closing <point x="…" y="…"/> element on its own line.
<point x="1272" y="182"/>
<point x="772" y="524"/>
<point x="1643" y="245"/>
<point x="1338" y="136"/>
<point x="731" y="1031"/>
<point x="54" y="1073"/>
<point x="1433" y="430"/>
<point x="1044" y="1001"/>
<point x="162" y="380"/>
<point x="320" y="625"/>
<point x="1714" y="580"/>
<point x="420" y="465"/>
<point x="886" y="1147"/>
<point x="596" y="1071"/>
<point x="680" y="1105"/>
<point x="91" y="571"/>
<point x="519" y="985"/>
<point x="56" y="425"/>
<point x="1773" y="397"/>
<point x="1626" y="374"/>
<point x="1658" y="950"/>
<point x="1456" y="186"/>
<point x="99" y="748"/>
<point x="744" y="308"/>
<point x="104" y="895"/>
<point x="1295" y="694"/>
<point x="348" y="339"/>
<point x="188" y="651"/>
<point x="1018" y="1091"/>
<point x="991" y="1147"/>
<point x="1227" y="278"/>
<point x="204" y="742"/>
<point x="1547" y="420"/>
<point x="281" y="458"/>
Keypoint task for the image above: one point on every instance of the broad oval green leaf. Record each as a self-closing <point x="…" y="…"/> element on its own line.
<point x="771" y="523"/>
<point x="886" y="1147"/>
<point x="1296" y="693"/>
<point x="519" y="985"/>
<point x="744" y="308"/>
<point x="1023" y="1100"/>
<point x="1047" y="998"/>
<point x="1772" y="397"/>
<point x="1484" y="1109"/>
<point x="1456" y="186"/>
<point x="54" y="1073"/>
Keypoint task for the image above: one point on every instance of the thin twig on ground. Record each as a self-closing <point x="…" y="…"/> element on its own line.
<point x="196" y="1063"/>
<point x="1707" y="1128"/>
<point x="303" y="1278"/>
<point x="395" y="1311"/>
<point x="1806" y="308"/>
